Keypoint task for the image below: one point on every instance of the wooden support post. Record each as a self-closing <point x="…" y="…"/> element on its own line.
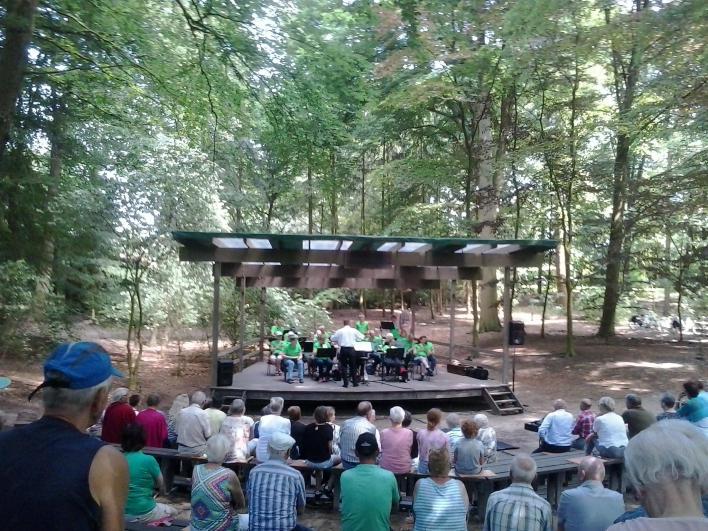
<point x="215" y="323"/>
<point x="242" y="325"/>
<point x="261" y="318"/>
<point x="453" y="286"/>
<point x="505" y="330"/>
<point x="412" y="310"/>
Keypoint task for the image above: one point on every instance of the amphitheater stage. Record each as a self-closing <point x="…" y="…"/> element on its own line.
<point x="255" y="385"/>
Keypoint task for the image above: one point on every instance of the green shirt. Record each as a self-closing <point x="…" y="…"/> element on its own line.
<point x="276" y="331"/>
<point x="292" y="350"/>
<point x="276" y="346"/>
<point x="317" y="345"/>
<point x="395" y="333"/>
<point x="424" y="350"/>
<point x="362" y="326"/>
<point x="405" y="343"/>
<point x="377" y="342"/>
<point x="368" y="493"/>
<point x="144" y="471"/>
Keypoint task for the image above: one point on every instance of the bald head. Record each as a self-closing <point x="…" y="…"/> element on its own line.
<point x="591" y="469"/>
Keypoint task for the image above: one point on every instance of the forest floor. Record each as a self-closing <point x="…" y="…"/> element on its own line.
<point x="639" y="361"/>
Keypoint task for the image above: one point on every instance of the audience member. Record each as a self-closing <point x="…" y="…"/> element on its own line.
<point x="54" y="474"/>
<point x="407" y="421"/>
<point x="368" y="492"/>
<point x="153" y="422"/>
<point x="440" y="502"/>
<point x="487" y="436"/>
<point x="237" y="427"/>
<point x="331" y="417"/>
<point x="193" y="428"/>
<point x="276" y="491"/>
<point x="351" y="430"/>
<point x="667" y="464"/>
<point x="635" y="416"/>
<point x="269" y="425"/>
<point x="589" y="507"/>
<point x="216" y="491"/>
<point x="134" y="402"/>
<point x="668" y="403"/>
<point x="265" y="410"/>
<point x="297" y="430"/>
<point x="117" y="416"/>
<point x="430" y="438"/>
<point x="145" y="477"/>
<point x="214" y="413"/>
<point x="518" y="507"/>
<point x="317" y="447"/>
<point x="396" y="444"/>
<point x="695" y="410"/>
<point x="178" y="404"/>
<point x="469" y="452"/>
<point x="454" y="432"/>
<point x="556" y="429"/>
<point x="609" y="432"/>
<point x="583" y="424"/>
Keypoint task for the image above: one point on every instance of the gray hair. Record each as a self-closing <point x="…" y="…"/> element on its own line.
<point x="606" y="404"/>
<point x="389" y="336"/>
<point x="481" y="420"/>
<point x="667" y="400"/>
<point x="452" y="420"/>
<point x="119" y="394"/>
<point x="523" y="468"/>
<point x="217" y="447"/>
<point x="667" y="451"/>
<point x="397" y="414"/>
<point x="72" y="401"/>
<point x="276" y="405"/>
<point x="198" y="397"/>
<point x="559" y="404"/>
<point x="632" y="400"/>
<point x="237" y="407"/>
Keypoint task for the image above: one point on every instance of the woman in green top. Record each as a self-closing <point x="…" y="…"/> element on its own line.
<point x="292" y="356"/>
<point x="323" y="363"/>
<point x="145" y="476"/>
<point x="361" y="325"/>
<point x="276" y="354"/>
<point x="423" y="352"/>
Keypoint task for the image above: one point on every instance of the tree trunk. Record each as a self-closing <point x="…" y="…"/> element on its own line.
<point x="475" y="314"/>
<point x="363" y="193"/>
<point x="666" y="308"/>
<point x="549" y="278"/>
<point x="310" y="200"/>
<point x="19" y="24"/>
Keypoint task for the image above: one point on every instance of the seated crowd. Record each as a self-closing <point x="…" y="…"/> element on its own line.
<point x="666" y="461"/>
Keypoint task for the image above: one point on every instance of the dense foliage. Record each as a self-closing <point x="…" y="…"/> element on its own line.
<point x="582" y="121"/>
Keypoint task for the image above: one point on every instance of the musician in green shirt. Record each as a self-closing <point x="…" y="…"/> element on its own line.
<point x="361" y="325"/>
<point x="276" y="354"/>
<point x="276" y="330"/>
<point x="423" y="352"/>
<point x="292" y="356"/>
<point x="323" y="363"/>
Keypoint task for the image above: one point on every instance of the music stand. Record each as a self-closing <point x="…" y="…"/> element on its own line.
<point x="307" y="346"/>
<point x="387" y="325"/>
<point x="330" y="352"/>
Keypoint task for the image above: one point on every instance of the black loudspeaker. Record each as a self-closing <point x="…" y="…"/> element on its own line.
<point x="517" y="334"/>
<point x="224" y="373"/>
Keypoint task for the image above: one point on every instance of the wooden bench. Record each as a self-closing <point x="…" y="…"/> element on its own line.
<point x="177" y="525"/>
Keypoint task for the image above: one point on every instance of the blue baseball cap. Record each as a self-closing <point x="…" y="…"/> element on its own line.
<point x="77" y="366"/>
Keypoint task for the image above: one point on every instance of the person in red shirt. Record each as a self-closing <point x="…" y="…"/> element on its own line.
<point x="117" y="416"/>
<point x="153" y="422"/>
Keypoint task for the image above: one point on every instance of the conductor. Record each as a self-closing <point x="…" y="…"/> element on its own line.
<point x="345" y="338"/>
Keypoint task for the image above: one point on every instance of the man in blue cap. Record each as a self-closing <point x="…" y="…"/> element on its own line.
<point x="55" y="476"/>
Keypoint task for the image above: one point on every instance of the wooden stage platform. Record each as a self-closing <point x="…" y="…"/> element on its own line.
<point x="255" y="385"/>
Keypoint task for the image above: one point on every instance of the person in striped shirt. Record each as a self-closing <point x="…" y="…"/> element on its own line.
<point x="351" y="429"/>
<point x="518" y="507"/>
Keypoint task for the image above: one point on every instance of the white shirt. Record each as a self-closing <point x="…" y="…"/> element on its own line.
<point x="193" y="427"/>
<point x="268" y="425"/>
<point x="556" y="428"/>
<point x="346" y="336"/>
<point x="611" y="430"/>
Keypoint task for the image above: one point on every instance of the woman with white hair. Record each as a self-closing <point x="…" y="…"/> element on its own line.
<point x="237" y="427"/>
<point x="396" y="443"/>
<point x="667" y="464"/>
<point x="216" y="491"/>
<point x="180" y="402"/>
<point x="487" y="436"/>
<point x="609" y="432"/>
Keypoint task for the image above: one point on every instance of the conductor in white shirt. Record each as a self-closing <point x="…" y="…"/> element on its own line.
<point x="345" y="338"/>
<point x="556" y="430"/>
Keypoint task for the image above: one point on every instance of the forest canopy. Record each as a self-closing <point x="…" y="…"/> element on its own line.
<point x="121" y="121"/>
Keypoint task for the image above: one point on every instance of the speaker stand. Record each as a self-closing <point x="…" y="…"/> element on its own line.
<point x="513" y="370"/>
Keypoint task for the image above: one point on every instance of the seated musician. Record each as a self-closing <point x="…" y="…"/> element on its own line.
<point x="292" y="357"/>
<point x="277" y="329"/>
<point x="407" y="344"/>
<point x="376" y="344"/>
<point x="276" y="354"/>
<point x="324" y="362"/>
<point x="423" y="352"/>
<point x="393" y="362"/>
<point x="395" y="331"/>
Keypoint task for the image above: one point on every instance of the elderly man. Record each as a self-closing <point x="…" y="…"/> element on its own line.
<point x="153" y="422"/>
<point x="667" y="464"/>
<point x="351" y="429"/>
<point x="345" y="338"/>
<point x="193" y="428"/>
<point x="56" y="477"/>
<point x="589" y="507"/>
<point x="276" y="491"/>
<point x="269" y="425"/>
<point x="583" y="424"/>
<point x="117" y="416"/>
<point x="518" y="507"/>
<point x="454" y="431"/>
<point x="368" y="492"/>
<point x="635" y="416"/>
<point x="556" y="430"/>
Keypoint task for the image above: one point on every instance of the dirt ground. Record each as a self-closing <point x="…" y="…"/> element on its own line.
<point x="641" y="361"/>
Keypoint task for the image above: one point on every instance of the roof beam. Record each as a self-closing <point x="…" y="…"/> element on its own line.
<point x="351" y="283"/>
<point x="319" y="271"/>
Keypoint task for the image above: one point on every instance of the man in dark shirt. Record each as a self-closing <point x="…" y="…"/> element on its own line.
<point x="635" y="416"/>
<point x="297" y="431"/>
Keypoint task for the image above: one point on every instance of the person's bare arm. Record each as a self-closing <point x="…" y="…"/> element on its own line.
<point x="238" y="500"/>
<point x="108" y="483"/>
<point x="160" y="484"/>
